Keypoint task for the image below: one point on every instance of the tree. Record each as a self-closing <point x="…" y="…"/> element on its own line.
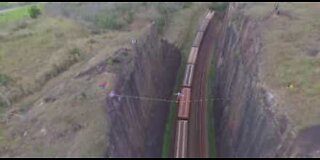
<point x="34" y="12"/>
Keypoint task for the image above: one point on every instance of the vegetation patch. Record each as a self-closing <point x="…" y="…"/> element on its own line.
<point x="34" y="11"/>
<point x="211" y="130"/>
<point x="18" y="14"/>
<point x="109" y="21"/>
<point x="14" y="15"/>
<point x="219" y="6"/>
<point x="165" y="11"/>
<point x="4" y="79"/>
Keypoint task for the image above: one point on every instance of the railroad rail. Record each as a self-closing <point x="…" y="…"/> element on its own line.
<point x="183" y="117"/>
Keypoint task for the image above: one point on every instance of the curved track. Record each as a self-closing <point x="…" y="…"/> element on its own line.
<point x="198" y="146"/>
<point x="191" y="130"/>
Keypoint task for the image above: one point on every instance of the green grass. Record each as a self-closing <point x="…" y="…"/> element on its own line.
<point x="211" y="131"/>
<point x="16" y="15"/>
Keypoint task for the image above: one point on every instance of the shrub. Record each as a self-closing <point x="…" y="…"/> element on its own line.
<point x="4" y="79"/>
<point x="75" y="51"/>
<point x="34" y="12"/>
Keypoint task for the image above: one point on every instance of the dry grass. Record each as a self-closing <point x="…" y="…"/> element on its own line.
<point x="291" y="42"/>
<point x="30" y="54"/>
<point x="50" y="53"/>
<point x="62" y="118"/>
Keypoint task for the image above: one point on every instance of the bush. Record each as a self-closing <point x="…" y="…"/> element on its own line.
<point x="218" y="6"/>
<point x="4" y="79"/>
<point x="34" y="12"/>
<point x="74" y="54"/>
<point x="75" y="51"/>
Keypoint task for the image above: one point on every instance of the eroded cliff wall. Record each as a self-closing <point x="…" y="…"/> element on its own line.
<point x="138" y="123"/>
<point x="244" y="122"/>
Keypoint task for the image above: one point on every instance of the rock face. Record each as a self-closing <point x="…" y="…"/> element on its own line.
<point x="244" y="120"/>
<point x="138" y="123"/>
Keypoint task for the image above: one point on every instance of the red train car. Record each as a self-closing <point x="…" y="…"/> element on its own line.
<point x="184" y="103"/>
<point x="181" y="139"/>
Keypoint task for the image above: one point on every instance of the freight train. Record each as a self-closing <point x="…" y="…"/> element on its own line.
<point x="181" y="137"/>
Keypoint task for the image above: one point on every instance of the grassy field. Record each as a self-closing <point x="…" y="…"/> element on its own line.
<point x="291" y="63"/>
<point x="15" y="15"/>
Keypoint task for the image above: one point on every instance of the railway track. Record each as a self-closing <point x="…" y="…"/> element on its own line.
<point x="191" y="129"/>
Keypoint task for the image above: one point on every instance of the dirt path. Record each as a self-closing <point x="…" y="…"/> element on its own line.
<point x="12" y="9"/>
<point x="198" y="146"/>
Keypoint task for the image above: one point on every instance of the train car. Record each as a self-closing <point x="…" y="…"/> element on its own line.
<point x="197" y="40"/>
<point x="184" y="104"/>
<point x="193" y="55"/>
<point x="188" y="76"/>
<point x="181" y="139"/>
